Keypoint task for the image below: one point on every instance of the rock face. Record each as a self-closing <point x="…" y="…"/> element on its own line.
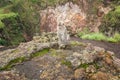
<point x="23" y="50"/>
<point x="11" y="75"/>
<point x="63" y="35"/>
<point x="75" y="16"/>
<point x="46" y="37"/>
<point x="78" y="62"/>
<point x="70" y="14"/>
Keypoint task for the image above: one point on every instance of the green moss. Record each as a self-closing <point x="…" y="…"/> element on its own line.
<point x="21" y="59"/>
<point x="53" y="52"/>
<point x="96" y="65"/>
<point x="12" y="63"/>
<point x="40" y="53"/>
<point x="59" y="54"/>
<point x="15" y="51"/>
<point x="85" y="65"/>
<point x="76" y="43"/>
<point x="67" y="63"/>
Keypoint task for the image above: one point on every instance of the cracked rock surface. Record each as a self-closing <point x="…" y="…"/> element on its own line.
<point x="76" y="62"/>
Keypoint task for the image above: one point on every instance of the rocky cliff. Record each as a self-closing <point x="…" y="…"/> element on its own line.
<point x="75" y="16"/>
<point x="78" y="61"/>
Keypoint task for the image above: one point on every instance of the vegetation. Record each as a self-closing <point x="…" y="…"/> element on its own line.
<point x="4" y="16"/>
<point x="12" y="63"/>
<point x="100" y="37"/>
<point x="85" y="65"/>
<point x="115" y="38"/>
<point x="2" y="41"/>
<point x="110" y="28"/>
<point x="67" y="63"/>
<point x="40" y="53"/>
<point x="76" y="43"/>
<point x="94" y="36"/>
<point x="111" y="21"/>
<point x="21" y="59"/>
<point x="19" y="19"/>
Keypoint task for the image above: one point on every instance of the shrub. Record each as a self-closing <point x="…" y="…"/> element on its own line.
<point x="12" y="30"/>
<point x="3" y="42"/>
<point x="94" y="36"/>
<point x="115" y="38"/>
<point x="111" y="21"/>
<point x="111" y="39"/>
<point x="101" y="37"/>
<point x="7" y="15"/>
<point x="85" y="31"/>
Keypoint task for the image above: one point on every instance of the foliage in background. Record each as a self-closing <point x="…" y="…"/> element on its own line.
<point x="4" y="16"/>
<point x="94" y="36"/>
<point x="3" y="42"/>
<point x="24" y="26"/>
<point x="28" y="15"/>
<point x="13" y="30"/>
<point x="45" y="3"/>
<point x="110" y="28"/>
<point x="85" y="31"/>
<point x="4" y="2"/>
<point x="115" y="38"/>
<point x="100" y="37"/>
<point x="19" y="19"/>
<point x="111" y="21"/>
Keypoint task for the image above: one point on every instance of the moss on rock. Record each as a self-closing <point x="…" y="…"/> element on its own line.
<point x="22" y="59"/>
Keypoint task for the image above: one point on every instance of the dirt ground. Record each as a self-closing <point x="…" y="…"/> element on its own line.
<point x="114" y="47"/>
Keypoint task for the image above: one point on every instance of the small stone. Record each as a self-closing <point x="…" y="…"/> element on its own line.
<point x="110" y="52"/>
<point x="100" y="76"/>
<point x="75" y="62"/>
<point x="102" y="69"/>
<point x="60" y="78"/>
<point x="88" y="58"/>
<point x="116" y="63"/>
<point x="75" y="54"/>
<point x="80" y="74"/>
<point x="108" y="60"/>
<point x="91" y="69"/>
<point x="58" y="65"/>
<point x="99" y="49"/>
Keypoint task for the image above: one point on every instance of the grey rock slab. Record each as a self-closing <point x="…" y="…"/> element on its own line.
<point x="23" y="50"/>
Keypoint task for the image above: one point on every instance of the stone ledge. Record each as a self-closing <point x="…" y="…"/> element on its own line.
<point x="23" y="50"/>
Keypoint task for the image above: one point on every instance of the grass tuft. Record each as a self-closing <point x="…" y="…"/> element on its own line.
<point x="67" y="63"/>
<point x="100" y="37"/>
<point x="94" y="36"/>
